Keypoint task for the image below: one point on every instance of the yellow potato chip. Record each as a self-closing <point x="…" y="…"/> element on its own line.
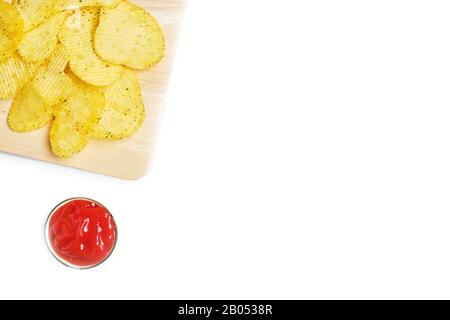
<point x="130" y="36"/>
<point x="11" y="30"/>
<point x="76" y="35"/>
<point x="77" y="4"/>
<point x="14" y="73"/>
<point x="38" y="44"/>
<point x="65" y="141"/>
<point x="51" y="82"/>
<point x="75" y="118"/>
<point x="34" y="12"/>
<point x="59" y="59"/>
<point x="32" y="107"/>
<point x="53" y="87"/>
<point x="29" y="111"/>
<point x="124" y="111"/>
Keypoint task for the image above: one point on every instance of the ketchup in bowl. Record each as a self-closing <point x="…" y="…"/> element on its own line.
<point x="81" y="233"/>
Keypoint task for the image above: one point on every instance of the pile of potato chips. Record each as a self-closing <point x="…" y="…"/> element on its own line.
<point x="70" y="63"/>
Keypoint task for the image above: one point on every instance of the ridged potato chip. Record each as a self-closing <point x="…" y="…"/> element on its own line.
<point x="38" y="44"/>
<point x="11" y="30"/>
<point x="59" y="59"/>
<point x="51" y="82"/>
<point x="65" y="141"/>
<point x="14" y="73"/>
<point x="29" y="111"/>
<point x="77" y="4"/>
<point x="34" y="12"/>
<point x="124" y="111"/>
<point x="32" y="107"/>
<point x="130" y="36"/>
<point x="77" y="36"/>
<point x="75" y="118"/>
<point x="53" y="87"/>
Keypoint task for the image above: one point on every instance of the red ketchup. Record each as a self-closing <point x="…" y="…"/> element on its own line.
<point x="81" y="233"/>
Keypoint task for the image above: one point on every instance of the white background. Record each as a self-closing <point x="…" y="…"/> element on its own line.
<point x="304" y="153"/>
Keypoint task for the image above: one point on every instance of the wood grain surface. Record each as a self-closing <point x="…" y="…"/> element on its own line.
<point x="126" y="159"/>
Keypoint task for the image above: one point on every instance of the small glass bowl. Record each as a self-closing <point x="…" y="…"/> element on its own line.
<point x="50" y="247"/>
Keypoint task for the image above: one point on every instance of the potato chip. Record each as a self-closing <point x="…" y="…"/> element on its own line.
<point x="124" y="111"/>
<point x="59" y="59"/>
<point x="29" y="111"/>
<point x="51" y="82"/>
<point x="53" y="87"/>
<point x="77" y="4"/>
<point x="38" y="44"/>
<point x="65" y="141"/>
<point x="34" y="12"/>
<point x="32" y="107"/>
<point x="77" y="36"/>
<point x="14" y="73"/>
<point x="129" y="36"/>
<point x="75" y="118"/>
<point x="11" y="30"/>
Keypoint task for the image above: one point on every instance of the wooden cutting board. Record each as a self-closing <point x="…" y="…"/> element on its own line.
<point x="126" y="159"/>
